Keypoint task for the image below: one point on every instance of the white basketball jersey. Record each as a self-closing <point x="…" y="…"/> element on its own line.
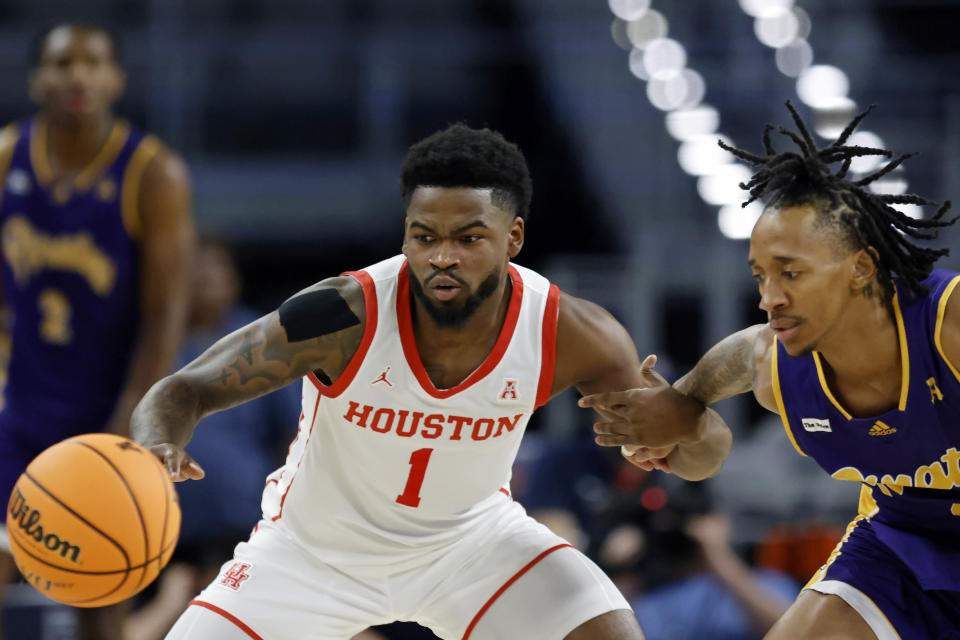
<point x="385" y="464"/>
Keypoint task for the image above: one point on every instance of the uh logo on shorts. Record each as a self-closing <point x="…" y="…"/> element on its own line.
<point x="234" y="577"/>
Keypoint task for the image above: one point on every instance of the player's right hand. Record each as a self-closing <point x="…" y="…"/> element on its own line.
<point x="178" y="462"/>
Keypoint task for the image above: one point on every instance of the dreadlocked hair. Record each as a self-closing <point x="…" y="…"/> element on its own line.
<point x="789" y="178"/>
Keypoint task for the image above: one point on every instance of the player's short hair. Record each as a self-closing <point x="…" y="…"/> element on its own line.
<point x="39" y="40"/>
<point x="863" y="218"/>
<point x="459" y="156"/>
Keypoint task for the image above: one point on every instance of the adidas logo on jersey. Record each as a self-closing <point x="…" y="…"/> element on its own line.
<point x="816" y="424"/>
<point x="881" y="429"/>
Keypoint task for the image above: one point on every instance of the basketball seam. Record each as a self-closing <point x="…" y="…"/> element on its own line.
<point x="87" y="600"/>
<point x="126" y="575"/>
<point x="136" y="504"/>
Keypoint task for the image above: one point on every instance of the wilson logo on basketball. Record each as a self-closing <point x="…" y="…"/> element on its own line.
<point x="29" y="521"/>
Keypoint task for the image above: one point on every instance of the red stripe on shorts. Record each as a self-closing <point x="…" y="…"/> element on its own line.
<point x="506" y="585"/>
<point x="247" y="630"/>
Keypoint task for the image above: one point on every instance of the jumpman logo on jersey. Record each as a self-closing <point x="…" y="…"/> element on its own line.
<point x="383" y="378"/>
<point x="935" y="393"/>
<point x="235" y="575"/>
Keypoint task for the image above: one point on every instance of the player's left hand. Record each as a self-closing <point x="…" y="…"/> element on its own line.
<point x="656" y="416"/>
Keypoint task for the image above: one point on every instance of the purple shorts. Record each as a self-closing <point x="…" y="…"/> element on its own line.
<point x="872" y="579"/>
<point x="23" y="438"/>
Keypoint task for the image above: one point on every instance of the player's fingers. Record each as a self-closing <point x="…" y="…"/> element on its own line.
<point x="194" y="470"/>
<point x="639" y="461"/>
<point x="173" y="466"/>
<point x="608" y="427"/>
<point x="168" y="458"/>
<point x="609" y="400"/>
<point x="661" y="464"/>
<point x="649" y="362"/>
<point x="611" y="440"/>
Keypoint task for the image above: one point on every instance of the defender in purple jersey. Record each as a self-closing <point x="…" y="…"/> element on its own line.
<point x="95" y="240"/>
<point x="860" y="360"/>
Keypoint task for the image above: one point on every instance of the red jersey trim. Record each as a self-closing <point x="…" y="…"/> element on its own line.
<point x="407" y="339"/>
<point x="300" y="461"/>
<point x="548" y="351"/>
<point x="370" y="302"/>
<point x="506" y="585"/>
<point x="232" y="618"/>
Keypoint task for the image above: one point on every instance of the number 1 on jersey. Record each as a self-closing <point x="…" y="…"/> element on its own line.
<point x="419" y="460"/>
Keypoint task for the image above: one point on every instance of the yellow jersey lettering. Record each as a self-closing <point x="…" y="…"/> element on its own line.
<point x="29" y="251"/>
<point x="896" y="485"/>
<point x="931" y="476"/>
<point x="951" y="458"/>
<point x="935" y="393"/>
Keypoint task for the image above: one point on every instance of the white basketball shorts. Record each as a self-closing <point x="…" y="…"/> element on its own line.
<point x="520" y="581"/>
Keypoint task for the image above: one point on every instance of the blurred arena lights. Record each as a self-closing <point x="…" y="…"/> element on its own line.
<point x="673" y="87"/>
<point x="700" y="120"/>
<point x="629" y="9"/>
<point x="757" y="8"/>
<point x="722" y="186"/>
<point x="663" y="58"/>
<point x="824" y="88"/>
<point x="821" y="84"/>
<point x="650" y="26"/>
<point x="700" y="155"/>
<point x="736" y="221"/>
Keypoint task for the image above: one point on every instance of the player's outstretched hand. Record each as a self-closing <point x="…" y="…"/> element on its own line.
<point x="178" y="462"/>
<point x="656" y="416"/>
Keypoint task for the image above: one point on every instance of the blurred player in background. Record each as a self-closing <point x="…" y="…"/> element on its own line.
<point x="96" y="239"/>
<point x="860" y="360"/>
<point x="420" y="374"/>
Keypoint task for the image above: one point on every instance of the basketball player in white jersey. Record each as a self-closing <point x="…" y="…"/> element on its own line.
<point x="420" y="374"/>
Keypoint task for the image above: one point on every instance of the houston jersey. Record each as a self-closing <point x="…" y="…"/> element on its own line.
<point x="69" y="275"/>
<point x="908" y="458"/>
<point x="385" y="465"/>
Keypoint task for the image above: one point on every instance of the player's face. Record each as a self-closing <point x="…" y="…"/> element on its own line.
<point x="458" y="243"/>
<point x="77" y="75"/>
<point x="803" y="276"/>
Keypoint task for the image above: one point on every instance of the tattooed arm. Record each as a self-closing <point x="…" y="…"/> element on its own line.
<point x="737" y="364"/>
<point x="248" y="363"/>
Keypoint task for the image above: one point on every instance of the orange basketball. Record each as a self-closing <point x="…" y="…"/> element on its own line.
<point x="93" y="520"/>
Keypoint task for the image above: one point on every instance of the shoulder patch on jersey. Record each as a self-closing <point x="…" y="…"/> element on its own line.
<point x="816" y="424"/>
<point x="509" y="391"/>
<point x="234" y="577"/>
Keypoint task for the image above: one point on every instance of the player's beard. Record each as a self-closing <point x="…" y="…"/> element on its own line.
<point x="450" y="315"/>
